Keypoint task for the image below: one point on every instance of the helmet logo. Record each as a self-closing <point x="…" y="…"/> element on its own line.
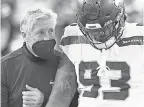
<point x="91" y="10"/>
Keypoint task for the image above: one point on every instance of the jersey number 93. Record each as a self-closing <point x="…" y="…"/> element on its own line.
<point x="118" y="86"/>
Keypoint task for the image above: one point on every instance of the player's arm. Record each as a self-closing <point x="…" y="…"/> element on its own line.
<point x="65" y="85"/>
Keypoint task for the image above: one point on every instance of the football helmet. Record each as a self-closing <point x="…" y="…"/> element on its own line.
<point x="101" y="21"/>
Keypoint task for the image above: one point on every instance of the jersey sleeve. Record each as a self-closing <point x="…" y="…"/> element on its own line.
<point x="133" y="29"/>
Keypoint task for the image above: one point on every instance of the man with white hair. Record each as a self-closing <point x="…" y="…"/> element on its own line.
<point x="28" y="73"/>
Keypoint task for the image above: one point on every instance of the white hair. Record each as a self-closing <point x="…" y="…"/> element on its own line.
<point x="32" y="15"/>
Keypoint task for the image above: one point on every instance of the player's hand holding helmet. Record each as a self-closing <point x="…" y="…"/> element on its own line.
<point x="101" y="21"/>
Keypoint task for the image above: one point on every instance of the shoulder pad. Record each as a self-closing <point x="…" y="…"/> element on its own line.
<point x="72" y="30"/>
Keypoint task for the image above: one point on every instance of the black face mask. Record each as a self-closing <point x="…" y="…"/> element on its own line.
<point x="44" y="49"/>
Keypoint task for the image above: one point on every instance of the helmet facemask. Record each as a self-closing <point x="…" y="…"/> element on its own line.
<point x="102" y="34"/>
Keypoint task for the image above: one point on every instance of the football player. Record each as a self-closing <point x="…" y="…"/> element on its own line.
<point x="108" y="58"/>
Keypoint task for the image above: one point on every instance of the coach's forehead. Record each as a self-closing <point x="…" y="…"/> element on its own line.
<point x="43" y="23"/>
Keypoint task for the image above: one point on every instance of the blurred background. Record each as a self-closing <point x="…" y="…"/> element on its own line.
<point x="13" y="10"/>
